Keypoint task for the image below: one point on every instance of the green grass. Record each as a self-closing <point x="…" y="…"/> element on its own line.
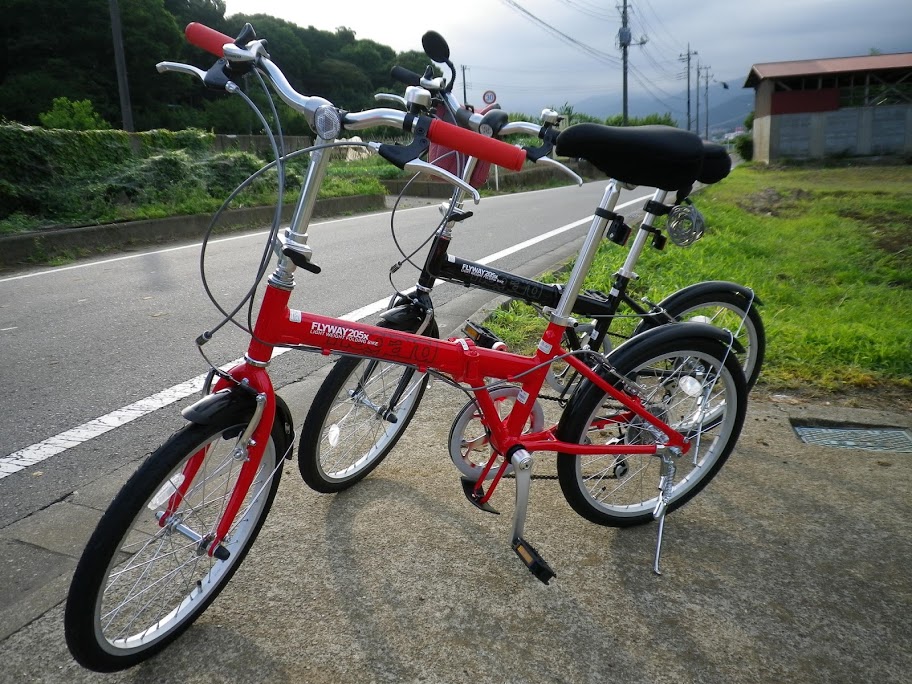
<point x="827" y="252"/>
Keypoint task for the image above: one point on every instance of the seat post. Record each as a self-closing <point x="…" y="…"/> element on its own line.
<point x="571" y="290"/>
<point x="639" y="241"/>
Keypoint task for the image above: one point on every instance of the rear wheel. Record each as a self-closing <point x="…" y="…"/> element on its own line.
<point x="357" y="417"/>
<point x="732" y="312"/>
<point x="692" y="384"/>
<point x="140" y="583"/>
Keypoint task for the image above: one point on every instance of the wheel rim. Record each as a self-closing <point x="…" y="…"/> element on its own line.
<point x="734" y="319"/>
<point x="355" y="435"/>
<point x="163" y="581"/>
<point x="627" y="485"/>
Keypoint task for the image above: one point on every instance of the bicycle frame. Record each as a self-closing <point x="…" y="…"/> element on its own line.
<point x="465" y="362"/>
<point x="462" y="360"/>
<point x="440" y="264"/>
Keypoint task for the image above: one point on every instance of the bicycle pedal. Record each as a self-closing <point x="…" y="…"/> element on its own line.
<point x="483" y="337"/>
<point x="537" y="565"/>
<point x="468" y="488"/>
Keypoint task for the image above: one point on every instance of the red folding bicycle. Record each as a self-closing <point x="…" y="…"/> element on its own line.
<point x="670" y="402"/>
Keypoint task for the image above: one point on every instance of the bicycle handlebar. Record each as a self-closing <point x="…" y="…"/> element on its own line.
<point x="466" y="141"/>
<point x="405" y="76"/>
<point x="476" y="145"/>
<point x="208" y="39"/>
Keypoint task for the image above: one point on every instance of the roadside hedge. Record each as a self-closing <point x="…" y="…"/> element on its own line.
<point x="62" y="177"/>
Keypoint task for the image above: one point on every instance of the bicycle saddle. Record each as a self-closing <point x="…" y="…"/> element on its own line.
<point x="655" y="156"/>
<point x="716" y="163"/>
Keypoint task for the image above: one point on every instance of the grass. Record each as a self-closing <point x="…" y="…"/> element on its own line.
<point x="826" y="250"/>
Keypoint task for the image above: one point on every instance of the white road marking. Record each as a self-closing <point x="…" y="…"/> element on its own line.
<point x="40" y="451"/>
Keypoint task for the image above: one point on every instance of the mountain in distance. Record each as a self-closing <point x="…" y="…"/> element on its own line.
<point x="727" y="109"/>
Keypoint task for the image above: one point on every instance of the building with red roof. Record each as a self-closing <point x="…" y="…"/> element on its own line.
<point x="816" y="108"/>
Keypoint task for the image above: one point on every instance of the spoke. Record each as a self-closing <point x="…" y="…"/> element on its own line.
<point x="131" y="596"/>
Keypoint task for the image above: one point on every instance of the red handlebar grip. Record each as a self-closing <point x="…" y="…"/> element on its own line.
<point x="206" y="38"/>
<point x="476" y="145"/>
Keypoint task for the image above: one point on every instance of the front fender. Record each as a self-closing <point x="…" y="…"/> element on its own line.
<point x="240" y="405"/>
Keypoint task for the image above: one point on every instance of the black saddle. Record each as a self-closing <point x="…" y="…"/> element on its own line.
<point x="716" y="163"/>
<point x="655" y="156"/>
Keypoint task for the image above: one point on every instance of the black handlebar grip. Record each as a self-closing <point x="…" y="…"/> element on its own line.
<point x="406" y="76"/>
<point x="463" y="116"/>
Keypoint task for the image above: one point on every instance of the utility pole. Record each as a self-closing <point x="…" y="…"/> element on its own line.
<point x="465" y="98"/>
<point x="706" y="77"/>
<point x="686" y="58"/>
<point x="697" y="102"/>
<point x="624" y="42"/>
<point x="120" y="65"/>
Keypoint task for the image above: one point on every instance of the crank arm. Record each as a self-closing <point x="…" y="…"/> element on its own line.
<point x="522" y="469"/>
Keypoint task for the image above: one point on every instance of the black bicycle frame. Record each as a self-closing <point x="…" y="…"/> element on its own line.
<point x="440" y="264"/>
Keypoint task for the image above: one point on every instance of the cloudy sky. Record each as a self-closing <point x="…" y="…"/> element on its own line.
<point x="538" y="53"/>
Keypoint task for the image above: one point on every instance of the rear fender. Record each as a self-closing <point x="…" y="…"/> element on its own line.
<point x="654" y="336"/>
<point x="711" y="286"/>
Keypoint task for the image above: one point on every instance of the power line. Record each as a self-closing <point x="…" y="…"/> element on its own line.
<point x="646" y="87"/>
<point x="563" y="37"/>
<point x="674" y="41"/>
<point x="587" y="10"/>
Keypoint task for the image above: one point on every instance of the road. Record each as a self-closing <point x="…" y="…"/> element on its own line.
<point x="80" y="343"/>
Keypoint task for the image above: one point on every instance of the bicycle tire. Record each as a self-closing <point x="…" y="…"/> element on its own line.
<point x="621" y="491"/>
<point x="725" y="309"/>
<point x="129" y="553"/>
<point x="344" y="439"/>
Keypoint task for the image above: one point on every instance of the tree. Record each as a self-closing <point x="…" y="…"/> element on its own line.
<point x="749" y="122"/>
<point x="63" y="48"/>
<point x="75" y="116"/>
<point x="211" y="13"/>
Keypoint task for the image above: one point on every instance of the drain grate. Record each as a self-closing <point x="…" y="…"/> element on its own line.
<point x="870" y="439"/>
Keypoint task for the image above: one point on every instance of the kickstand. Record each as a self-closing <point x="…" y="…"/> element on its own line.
<point x="666" y="484"/>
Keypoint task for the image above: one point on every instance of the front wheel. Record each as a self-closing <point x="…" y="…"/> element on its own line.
<point x="694" y="385"/>
<point x="357" y="416"/>
<point x="141" y="582"/>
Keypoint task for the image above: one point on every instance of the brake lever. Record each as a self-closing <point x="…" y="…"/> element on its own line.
<point x="565" y="169"/>
<point x="179" y="68"/>
<point x="398" y="99"/>
<point x="419" y="166"/>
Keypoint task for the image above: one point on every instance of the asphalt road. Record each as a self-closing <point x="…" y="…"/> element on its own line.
<point x="85" y="340"/>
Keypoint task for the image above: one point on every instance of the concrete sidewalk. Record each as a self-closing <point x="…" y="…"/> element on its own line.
<point x="793" y="565"/>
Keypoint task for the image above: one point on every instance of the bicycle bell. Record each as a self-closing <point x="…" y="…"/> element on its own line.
<point x="685" y="225"/>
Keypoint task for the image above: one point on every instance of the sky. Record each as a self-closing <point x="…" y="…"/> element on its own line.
<point x="544" y="53"/>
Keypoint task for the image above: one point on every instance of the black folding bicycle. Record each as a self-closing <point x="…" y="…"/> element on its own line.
<point x="363" y="406"/>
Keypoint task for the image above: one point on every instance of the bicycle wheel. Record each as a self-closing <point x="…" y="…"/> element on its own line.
<point x="357" y="416"/>
<point x="691" y="383"/>
<point x="139" y="585"/>
<point x="728" y="310"/>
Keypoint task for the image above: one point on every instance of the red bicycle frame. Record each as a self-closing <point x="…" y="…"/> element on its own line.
<point x="461" y="359"/>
